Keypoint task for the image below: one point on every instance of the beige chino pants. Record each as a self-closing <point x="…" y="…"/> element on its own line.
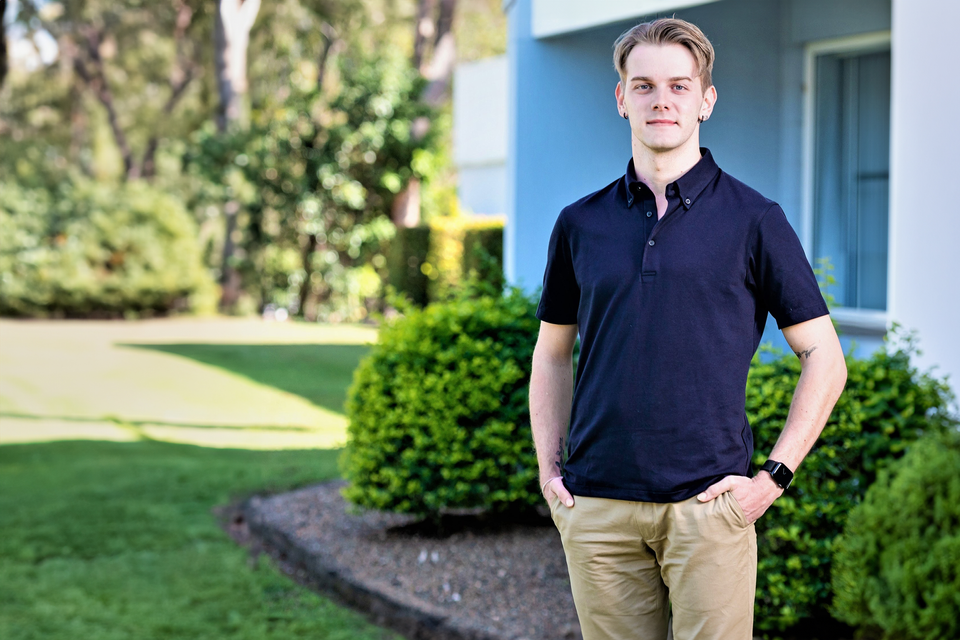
<point x="631" y="562"/>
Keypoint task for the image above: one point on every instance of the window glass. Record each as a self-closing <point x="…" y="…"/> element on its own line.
<point x="852" y="174"/>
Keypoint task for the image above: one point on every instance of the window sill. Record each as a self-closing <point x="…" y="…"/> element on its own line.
<point x="863" y="322"/>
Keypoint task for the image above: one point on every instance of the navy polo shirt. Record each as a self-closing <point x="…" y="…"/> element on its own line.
<point x="670" y="312"/>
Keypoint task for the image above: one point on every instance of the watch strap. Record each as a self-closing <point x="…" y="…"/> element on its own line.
<point x="781" y="474"/>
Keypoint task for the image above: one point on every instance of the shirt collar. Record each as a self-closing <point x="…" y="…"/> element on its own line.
<point x="687" y="187"/>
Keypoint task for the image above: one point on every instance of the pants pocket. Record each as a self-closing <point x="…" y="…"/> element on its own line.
<point x="735" y="507"/>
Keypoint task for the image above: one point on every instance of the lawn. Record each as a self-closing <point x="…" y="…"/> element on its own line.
<point x="115" y="539"/>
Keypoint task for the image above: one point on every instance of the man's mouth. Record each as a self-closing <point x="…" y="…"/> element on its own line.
<point x="660" y="122"/>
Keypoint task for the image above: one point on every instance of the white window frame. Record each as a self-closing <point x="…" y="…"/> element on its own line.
<point x="858" y="320"/>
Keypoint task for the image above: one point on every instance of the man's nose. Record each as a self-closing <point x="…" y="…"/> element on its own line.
<point x="660" y="100"/>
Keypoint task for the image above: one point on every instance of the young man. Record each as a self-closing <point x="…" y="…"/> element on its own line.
<point x="668" y="274"/>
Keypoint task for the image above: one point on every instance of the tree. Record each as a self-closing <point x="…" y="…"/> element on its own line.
<point x="3" y="42"/>
<point x="324" y="164"/>
<point x="89" y="36"/>
<point x="434" y="55"/>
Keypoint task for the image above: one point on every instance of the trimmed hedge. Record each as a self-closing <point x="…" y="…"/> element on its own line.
<point x="93" y="250"/>
<point x="438" y="410"/>
<point x="897" y="565"/>
<point x="886" y="406"/>
<point x="437" y="262"/>
<point x="463" y="248"/>
<point x="405" y="259"/>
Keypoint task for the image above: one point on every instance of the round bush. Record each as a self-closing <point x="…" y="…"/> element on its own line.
<point x="886" y="405"/>
<point x="438" y="410"/>
<point x="93" y="250"/>
<point x="897" y="565"/>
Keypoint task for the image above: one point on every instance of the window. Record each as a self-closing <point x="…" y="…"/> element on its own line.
<point x="851" y="172"/>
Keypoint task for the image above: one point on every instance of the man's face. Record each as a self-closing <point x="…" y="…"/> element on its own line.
<point x="663" y="97"/>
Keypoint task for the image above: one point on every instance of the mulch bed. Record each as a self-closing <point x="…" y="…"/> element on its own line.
<point x="482" y="579"/>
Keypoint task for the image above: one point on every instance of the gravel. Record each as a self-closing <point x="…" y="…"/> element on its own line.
<point x="481" y="578"/>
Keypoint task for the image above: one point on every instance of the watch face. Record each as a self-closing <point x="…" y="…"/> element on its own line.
<point x="781" y="474"/>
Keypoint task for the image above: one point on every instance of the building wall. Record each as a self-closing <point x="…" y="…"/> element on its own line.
<point x="480" y="134"/>
<point x="924" y="288"/>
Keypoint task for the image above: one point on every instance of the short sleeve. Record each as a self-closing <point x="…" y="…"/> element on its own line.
<point x="785" y="281"/>
<point x="560" y="299"/>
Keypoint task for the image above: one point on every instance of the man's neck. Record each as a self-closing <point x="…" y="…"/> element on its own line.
<point x="657" y="170"/>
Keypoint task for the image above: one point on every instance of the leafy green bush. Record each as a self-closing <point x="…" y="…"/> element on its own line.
<point x="89" y="249"/>
<point x="887" y="404"/>
<point x="438" y="410"/>
<point x="897" y="564"/>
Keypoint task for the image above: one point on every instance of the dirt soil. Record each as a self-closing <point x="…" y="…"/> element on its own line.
<point x="482" y="578"/>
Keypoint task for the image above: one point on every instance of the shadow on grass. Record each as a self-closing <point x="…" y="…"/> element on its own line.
<point x="319" y="373"/>
<point x="127" y="422"/>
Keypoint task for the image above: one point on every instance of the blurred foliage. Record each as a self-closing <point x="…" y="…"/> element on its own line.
<point x="887" y="404"/>
<point x="317" y="176"/>
<point x="131" y="91"/>
<point x="438" y="410"/>
<point x="464" y="248"/>
<point x="897" y="565"/>
<point x="52" y="110"/>
<point x="438" y="261"/>
<point x="87" y="249"/>
<point x="481" y="29"/>
<point x="405" y="259"/>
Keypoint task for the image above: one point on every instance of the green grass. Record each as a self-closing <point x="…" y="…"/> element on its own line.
<point x="320" y="373"/>
<point x="116" y="540"/>
<point x="102" y="540"/>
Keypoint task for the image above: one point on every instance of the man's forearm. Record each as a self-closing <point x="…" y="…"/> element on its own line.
<point x="822" y="377"/>
<point x="551" y="395"/>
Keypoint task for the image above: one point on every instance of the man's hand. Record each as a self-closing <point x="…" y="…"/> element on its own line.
<point x="755" y="495"/>
<point x="555" y="487"/>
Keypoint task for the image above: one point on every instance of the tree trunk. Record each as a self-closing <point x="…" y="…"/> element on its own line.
<point x="231" y="35"/>
<point x="3" y="43"/>
<point x="438" y="71"/>
<point x="306" y="257"/>
<point x="182" y="72"/>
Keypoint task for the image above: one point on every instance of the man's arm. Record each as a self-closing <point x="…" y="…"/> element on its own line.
<point x="823" y="373"/>
<point x="551" y="395"/>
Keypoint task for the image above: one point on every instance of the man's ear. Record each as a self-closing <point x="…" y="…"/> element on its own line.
<point x="618" y="92"/>
<point x="709" y="100"/>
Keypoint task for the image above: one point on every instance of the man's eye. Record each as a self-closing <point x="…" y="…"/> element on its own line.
<point x="679" y="87"/>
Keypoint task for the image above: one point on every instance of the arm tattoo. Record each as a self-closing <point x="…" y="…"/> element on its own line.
<point x="559" y="460"/>
<point x="806" y="353"/>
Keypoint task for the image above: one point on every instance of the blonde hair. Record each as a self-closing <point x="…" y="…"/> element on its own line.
<point x="667" y="31"/>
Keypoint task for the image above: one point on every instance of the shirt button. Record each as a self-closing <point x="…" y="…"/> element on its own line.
<point x="687" y="201"/>
<point x="651" y="243"/>
<point x="649" y="213"/>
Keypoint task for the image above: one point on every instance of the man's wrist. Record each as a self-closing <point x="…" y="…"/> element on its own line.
<point x="769" y="483"/>
<point x="780" y="473"/>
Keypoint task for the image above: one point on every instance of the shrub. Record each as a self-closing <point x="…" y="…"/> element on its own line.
<point x="887" y="404"/>
<point x="897" y="564"/>
<point x="95" y="250"/>
<point x="438" y="410"/>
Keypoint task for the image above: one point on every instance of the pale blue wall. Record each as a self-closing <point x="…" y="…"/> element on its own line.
<point x="567" y="140"/>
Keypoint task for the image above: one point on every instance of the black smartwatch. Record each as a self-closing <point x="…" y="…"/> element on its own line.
<point x="781" y="474"/>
